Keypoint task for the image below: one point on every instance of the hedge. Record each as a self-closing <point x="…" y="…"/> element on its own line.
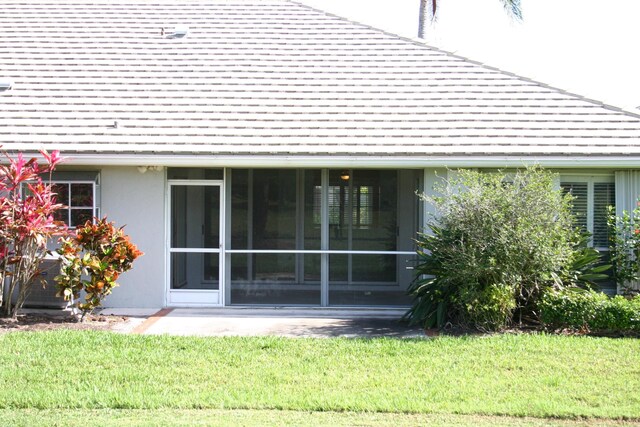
<point x="590" y="310"/>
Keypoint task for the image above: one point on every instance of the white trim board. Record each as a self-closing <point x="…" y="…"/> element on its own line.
<point x="339" y="162"/>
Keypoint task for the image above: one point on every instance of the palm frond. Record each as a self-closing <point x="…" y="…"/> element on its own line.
<point x="429" y="11"/>
<point x="513" y="8"/>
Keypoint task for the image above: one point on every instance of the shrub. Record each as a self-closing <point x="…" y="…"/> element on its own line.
<point x="27" y="208"/>
<point x="624" y="246"/>
<point x="584" y="268"/>
<point x="589" y="310"/>
<point x="489" y="308"/>
<point x="496" y="242"/>
<point x="99" y="251"/>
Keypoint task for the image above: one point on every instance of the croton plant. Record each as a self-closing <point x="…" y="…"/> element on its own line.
<point x="92" y="259"/>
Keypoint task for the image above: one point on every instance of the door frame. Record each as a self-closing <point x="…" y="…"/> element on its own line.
<point x="195" y="297"/>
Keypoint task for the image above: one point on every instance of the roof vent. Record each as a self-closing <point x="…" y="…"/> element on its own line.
<point x="5" y="85"/>
<point x="178" y="33"/>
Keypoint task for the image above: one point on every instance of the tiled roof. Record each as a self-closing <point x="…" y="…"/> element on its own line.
<point x="269" y="77"/>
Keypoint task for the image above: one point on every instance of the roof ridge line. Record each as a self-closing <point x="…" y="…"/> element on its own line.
<point x="538" y="82"/>
<point x="423" y="43"/>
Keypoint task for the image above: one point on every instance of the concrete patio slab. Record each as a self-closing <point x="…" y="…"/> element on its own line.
<point x="278" y="322"/>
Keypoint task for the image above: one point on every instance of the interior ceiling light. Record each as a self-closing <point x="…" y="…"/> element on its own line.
<point x="5" y="85"/>
<point x="345" y="175"/>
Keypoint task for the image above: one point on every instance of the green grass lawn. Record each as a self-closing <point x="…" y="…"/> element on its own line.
<point x="264" y="417"/>
<point x="468" y="377"/>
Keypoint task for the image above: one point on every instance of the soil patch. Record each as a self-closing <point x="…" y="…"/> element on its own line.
<point x="47" y="322"/>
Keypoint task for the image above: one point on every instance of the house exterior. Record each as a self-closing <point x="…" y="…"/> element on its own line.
<point x="267" y="153"/>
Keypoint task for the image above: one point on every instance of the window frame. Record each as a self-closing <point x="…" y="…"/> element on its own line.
<point x="70" y="181"/>
<point x="69" y="208"/>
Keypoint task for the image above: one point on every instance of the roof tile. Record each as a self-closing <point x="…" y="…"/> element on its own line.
<point x="273" y="76"/>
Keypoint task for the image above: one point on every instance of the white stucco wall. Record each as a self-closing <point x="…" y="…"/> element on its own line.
<point x="136" y="200"/>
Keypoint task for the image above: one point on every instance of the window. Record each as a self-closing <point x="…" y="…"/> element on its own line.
<point x="593" y="195"/>
<point x="78" y="199"/>
<point x="339" y="201"/>
<point x="78" y="191"/>
<point x="363" y="209"/>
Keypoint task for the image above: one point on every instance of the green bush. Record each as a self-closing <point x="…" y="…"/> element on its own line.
<point x="589" y="310"/>
<point x="495" y="243"/>
<point x="91" y="260"/>
<point x="624" y="247"/>
<point x="489" y="308"/>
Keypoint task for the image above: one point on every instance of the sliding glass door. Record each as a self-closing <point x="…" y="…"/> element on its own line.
<point x="321" y="237"/>
<point x="372" y="216"/>
<point x="272" y="227"/>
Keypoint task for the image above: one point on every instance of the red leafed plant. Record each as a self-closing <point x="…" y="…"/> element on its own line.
<point x="91" y="261"/>
<point x="27" y="208"/>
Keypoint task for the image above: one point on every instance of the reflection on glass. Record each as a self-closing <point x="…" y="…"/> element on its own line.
<point x="80" y="216"/>
<point x="195" y="224"/>
<point x="274" y="209"/>
<point x="363" y="268"/>
<point x="264" y="209"/>
<point x="78" y="202"/>
<point x="366" y="210"/>
<point x="370" y="280"/>
<point x="363" y="210"/>
<point x="240" y="209"/>
<point x="62" y="215"/>
<point x="312" y="225"/>
<point x="191" y="271"/>
<point x="62" y="193"/>
<point x="195" y="216"/>
<point x="195" y="173"/>
<point x="81" y="195"/>
<point x="275" y="279"/>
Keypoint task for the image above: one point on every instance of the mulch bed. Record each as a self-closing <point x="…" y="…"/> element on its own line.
<point x="47" y="322"/>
